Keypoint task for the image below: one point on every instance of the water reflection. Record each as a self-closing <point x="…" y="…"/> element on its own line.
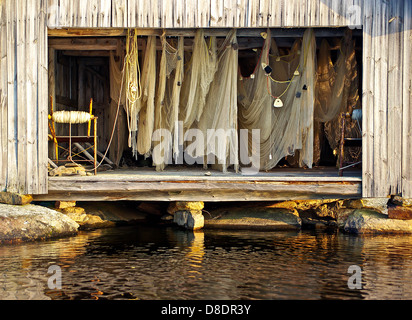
<point x="147" y="262"/>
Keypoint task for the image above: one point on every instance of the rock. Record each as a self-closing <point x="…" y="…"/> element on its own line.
<point x="399" y="212"/>
<point x="377" y="204"/>
<point x="318" y="223"/>
<point x="72" y="210"/>
<point x="185" y="206"/>
<point x="64" y="204"/>
<point x="342" y="215"/>
<point x="32" y="222"/>
<point x="366" y="221"/>
<point x="290" y="205"/>
<point x="95" y="222"/>
<point x="191" y="220"/>
<point x="399" y="201"/>
<point x="87" y="221"/>
<point x="302" y="205"/>
<point x="261" y="218"/>
<point x="67" y="171"/>
<point x="15" y="198"/>
<point x="329" y="210"/>
<point x="167" y="217"/>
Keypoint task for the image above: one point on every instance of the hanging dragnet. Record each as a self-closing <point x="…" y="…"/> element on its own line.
<point x="116" y="117"/>
<point x="132" y="87"/>
<point x="198" y="76"/>
<point x="166" y="138"/>
<point x="278" y="99"/>
<point x="218" y="122"/>
<point x="142" y="141"/>
<point x="337" y="92"/>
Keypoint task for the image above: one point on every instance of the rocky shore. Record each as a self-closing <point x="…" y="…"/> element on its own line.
<point x="20" y="220"/>
<point x="31" y="222"/>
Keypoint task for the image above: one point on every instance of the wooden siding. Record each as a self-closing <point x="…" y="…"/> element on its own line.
<point x="23" y="87"/>
<point x="387" y="158"/>
<point x="386" y="95"/>
<point x="407" y="103"/>
<point x="202" y="13"/>
<point x="387" y="163"/>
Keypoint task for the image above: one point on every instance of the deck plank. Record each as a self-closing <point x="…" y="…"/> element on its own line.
<point x="194" y="185"/>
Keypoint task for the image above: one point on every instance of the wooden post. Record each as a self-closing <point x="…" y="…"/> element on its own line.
<point x="95" y="144"/>
<point x="342" y="143"/>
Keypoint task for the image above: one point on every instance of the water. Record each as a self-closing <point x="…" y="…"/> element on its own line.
<point x="152" y="262"/>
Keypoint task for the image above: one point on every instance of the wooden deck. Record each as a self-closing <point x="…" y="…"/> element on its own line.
<point x="178" y="184"/>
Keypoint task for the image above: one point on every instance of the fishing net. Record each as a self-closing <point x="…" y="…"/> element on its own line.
<point x="145" y="106"/>
<point x="209" y="94"/>
<point x="337" y="92"/>
<point x="218" y="121"/>
<point x="279" y="101"/>
<point x="166" y="139"/>
<point x="116" y="89"/>
<point x="198" y="77"/>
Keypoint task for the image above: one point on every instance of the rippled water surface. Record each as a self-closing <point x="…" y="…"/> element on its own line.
<point x="147" y="262"/>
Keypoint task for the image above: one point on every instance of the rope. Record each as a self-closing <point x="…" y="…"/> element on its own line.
<point x="133" y="76"/>
<point x="71" y="117"/>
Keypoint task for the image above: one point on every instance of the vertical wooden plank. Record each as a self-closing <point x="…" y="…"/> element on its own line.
<point x="275" y="13"/>
<point x="395" y="85"/>
<point x="21" y="92"/>
<point x="324" y="13"/>
<point x="407" y="104"/>
<point x="333" y="12"/>
<point x="254" y="13"/>
<point x="31" y="32"/>
<point x="104" y="13"/>
<point x="190" y="13"/>
<point x="42" y="100"/>
<point x="93" y="13"/>
<point x="167" y="14"/>
<point x="3" y="96"/>
<point x="230" y="13"/>
<point x="63" y="13"/>
<point x="142" y="13"/>
<point x="71" y="13"/>
<point x="81" y="11"/>
<point x="296" y="13"/>
<point x="289" y="13"/>
<point x="203" y="13"/>
<point x="154" y="13"/>
<point x="368" y="65"/>
<point x="263" y="14"/>
<point x="178" y="11"/>
<point x="303" y="13"/>
<point x="380" y="55"/>
<point x="11" y="98"/>
<point x="131" y="13"/>
<point x="313" y="8"/>
<point x="119" y="13"/>
<point x="216" y="13"/>
<point x="53" y="13"/>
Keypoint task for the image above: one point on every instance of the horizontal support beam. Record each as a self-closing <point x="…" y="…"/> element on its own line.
<point x="190" y="32"/>
<point x="106" y="188"/>
<point x="87" y="32"/>
<point x="83" y="44"/>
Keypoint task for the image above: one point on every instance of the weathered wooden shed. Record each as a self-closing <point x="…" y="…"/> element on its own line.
<point x="385" y="29"/>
